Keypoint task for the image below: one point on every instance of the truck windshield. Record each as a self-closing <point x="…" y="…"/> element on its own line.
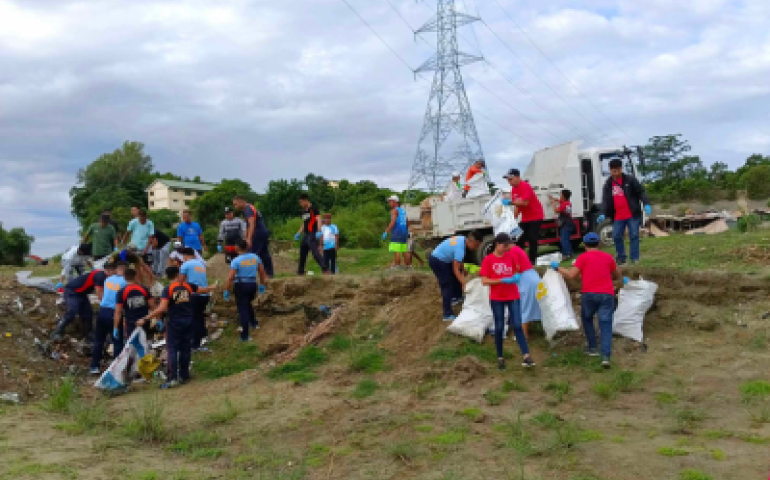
<point x="606" y="158"/>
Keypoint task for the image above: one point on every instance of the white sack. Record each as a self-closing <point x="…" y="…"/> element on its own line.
<point x="501" y="217"/>
<point x="123" y="368"/>
<point x="634" y="300"/>
<point x="478" y="186"/>
<point x="555" y="305"/>
<point x="508" y="224"/>
<point x="545" y="260"/>
<point x="476" y="316"/>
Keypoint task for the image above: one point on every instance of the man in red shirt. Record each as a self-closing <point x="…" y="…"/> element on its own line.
<point x="473" y="170"/>
<point x="622" y="201"/>
<point x="526" y="202"/>
<point x="598" y="270"/>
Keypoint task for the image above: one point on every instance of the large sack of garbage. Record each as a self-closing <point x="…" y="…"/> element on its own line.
<point x="476" y="316"/>
<point x="634" y="300"/>
<point x="118" y="376"/>
<point x="501" y="217"/>
<point x="478" y="186"/>
<point x="555" y="305"/>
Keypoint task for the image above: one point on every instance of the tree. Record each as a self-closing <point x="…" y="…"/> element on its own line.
<point x="757" y="181"/>
<point x="210" y="208"/>
<point x="280" y="200"/>
<point x="164" y="219"/>
<point x="660" y="152"/>
<point x="15" y="244"/>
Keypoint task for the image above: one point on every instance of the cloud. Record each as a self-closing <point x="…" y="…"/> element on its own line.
<point x="264" y="90"/>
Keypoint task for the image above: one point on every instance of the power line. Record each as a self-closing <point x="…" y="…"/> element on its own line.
<point x="553" y="64"/>
<point x="473" y="30"/>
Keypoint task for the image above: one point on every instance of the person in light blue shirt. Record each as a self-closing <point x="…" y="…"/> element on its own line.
<point x="446" y="261"/>
<point x="193" y="271"/>
<point x="190" y="233"/>
<point x="105" y="319"/>
<point x="244" y="270"/>
<point x="331" y="242"/>
<point x="139" y="230"/>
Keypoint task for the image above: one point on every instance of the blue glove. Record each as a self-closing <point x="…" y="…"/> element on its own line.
<point x="517" y="278"/>
<point x="219" y="248"/>
<point x="115" y="333"/>
<point x="318" y="235"/>
<point x="59" y="285"/>
<point x="648" y="210"/>
<point x="555" y="265"/>
<point x="159" y="325"/>
<point x="226" y="294"/>
<point x="116" y="249"/>
<point x="625" y="280"/>
<point x="296" y="237"/>
<point x="508" y="281"/>
<point x="262" y="289"/>
<point x="507" y="202"/>
<point x="600" y="219"/>
<point x="385" y="236"/>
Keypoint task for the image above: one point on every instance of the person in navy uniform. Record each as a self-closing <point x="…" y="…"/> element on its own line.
<point x="76" y="294"/>
<point x="243" y="280"/>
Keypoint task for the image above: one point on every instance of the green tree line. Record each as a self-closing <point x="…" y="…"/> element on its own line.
<point x="15" y="244"/>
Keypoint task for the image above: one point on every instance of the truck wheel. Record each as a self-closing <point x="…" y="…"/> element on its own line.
<point x="605" y="233"/>
<point x="486" y="248"/>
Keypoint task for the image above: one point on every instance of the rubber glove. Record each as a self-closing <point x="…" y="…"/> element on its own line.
<point x="385" y="236"/>
<point x="648" y="210"/>
<point x="116" y="249"/>
<point x="625" y="280"/>
<point x="59" y="285"/>
<point x="226" y="294"/>
<point x="555" y="265"/>
<point x="262" y="289"/>
<point x="507" y="202"/>
<point x="318" y="235"/>
<point x="508" y="281"/>
<point x="600" y="219"/>
<point x="517" y="278"/>
<point x="296" y="237"/>
<point x="219" y="248"/>
<point x="115" y="333"/>
<point x="159" y="325"/>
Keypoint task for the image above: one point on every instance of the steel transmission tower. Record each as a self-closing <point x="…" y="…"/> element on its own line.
<point x="448" y="141"/>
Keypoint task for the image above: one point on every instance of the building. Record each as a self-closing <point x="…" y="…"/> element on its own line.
<point x="174" y="195"/>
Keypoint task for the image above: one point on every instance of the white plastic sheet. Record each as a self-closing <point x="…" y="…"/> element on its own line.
<point x="123" y="368"/>
<point x="555" y="305"/>
<point x="476" y="316"/>
<point x="634" y="300"/>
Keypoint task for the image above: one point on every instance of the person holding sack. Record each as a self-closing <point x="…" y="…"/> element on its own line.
<point x="498" y="271"/>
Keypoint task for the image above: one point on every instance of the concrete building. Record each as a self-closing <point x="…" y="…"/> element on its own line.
<point x="174" y="195"/>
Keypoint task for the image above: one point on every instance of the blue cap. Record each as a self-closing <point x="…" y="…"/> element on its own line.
<point x="591" y="238"/>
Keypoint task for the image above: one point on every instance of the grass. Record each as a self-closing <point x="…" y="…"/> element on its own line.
<point x="694" y="475"/>
<point x="575" y="358"/>
<point x="517" y="437"/>
<point x="301" y="369"/>
<point x="559" y="388"/>
<point x="621" y="381"/>
<point x="754" y="391"/>
<point x="718" y="455"/>
<point x="494" y="397"/>
<point x="665" y="398"/>
<point x="451" y="437"/>
<point x="17" y="469"/>
<point x="61" y="395"/>
<point x="672" y="452"/>
<point x="404" y="451"/>
<point x="227" y="414"/>
<point x="200" y="444"/>
<point x="365" y="388"/>
<point x="146" y="423"/>
<point x="87" y="418"/>
<point x="473" y="414"/>
<point x="367" y="359"/>
<point x="688" y="418"/>
<point x="513" y="386"/>
<point x="466" y="348"/>
<point x="547" y="420"/>
<point x="340" y="343"/>
<point x="230" y="357"/>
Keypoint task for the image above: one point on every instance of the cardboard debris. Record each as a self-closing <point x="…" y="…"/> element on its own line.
<point x="718" y="226"/>
<point x="657" y="232"/>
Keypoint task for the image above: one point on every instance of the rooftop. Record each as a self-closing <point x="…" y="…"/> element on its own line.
<point x="205" y="187"/>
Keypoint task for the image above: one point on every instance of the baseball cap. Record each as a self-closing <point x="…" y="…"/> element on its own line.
<point x="591" y="237"/>
<point x="514" y="172"/>
<point x="503" y="238"/>
<point x="394" y="198"/>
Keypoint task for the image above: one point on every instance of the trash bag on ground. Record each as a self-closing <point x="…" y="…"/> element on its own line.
<point x="555" y="305"/>
<point x="634" y="300"/>
<point x="476" y="316"/>
<point x="478" y="186"/>
<point x="118" y="376"/>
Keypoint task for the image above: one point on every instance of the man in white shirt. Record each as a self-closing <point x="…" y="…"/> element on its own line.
<point x="74" y="259"/>
<point x="453" y="190"/>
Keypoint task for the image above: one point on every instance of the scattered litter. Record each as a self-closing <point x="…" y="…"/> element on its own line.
<point x="43" y="284"/>
<point x="8" y="335"/>
<point x="766" y="316"/>
<point x="718" y="226"/>
<point x="216" y="335"/>
<point x="20" y="305"/>
<point x="34" y="307"/>
<point x="10" y="398"/>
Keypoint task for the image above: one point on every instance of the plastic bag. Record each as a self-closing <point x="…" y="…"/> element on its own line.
<point x="555" y="305"/>
<point x="476" y="316"/>
<point x="545" y="260"/>
<point x="501" y="217"/>
<point x="478" y="186"/>
<point x="508" y="224"/>
<point x="634" y="300"/>
<point x="123" y="368"/>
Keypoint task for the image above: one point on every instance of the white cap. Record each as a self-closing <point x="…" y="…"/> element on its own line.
<point x="455" y="174"/>
<point x="394" y="198"/>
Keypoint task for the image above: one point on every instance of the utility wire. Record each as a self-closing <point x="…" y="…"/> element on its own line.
<point x="553" y="64"/>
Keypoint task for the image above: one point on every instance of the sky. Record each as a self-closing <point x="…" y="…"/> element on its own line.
<point x="261" y="90"/>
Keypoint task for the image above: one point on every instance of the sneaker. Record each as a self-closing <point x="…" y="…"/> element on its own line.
<point x="94" y="371"/>
<point x="501" y="364"/>
<point x="169" y="384"/>
<point x="450" y="318"/>
<point x="245" y="340"/>
<point x="591" y="352"/>
<point x="606" y="363"/>
<point x="527" y="362"/>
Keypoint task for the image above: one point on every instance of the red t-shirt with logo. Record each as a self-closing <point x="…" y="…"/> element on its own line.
<point x="534" y="210"/>
<point x="597" y="267"/>
<point x="494" y="268"/>
<point x="622" y="211"/>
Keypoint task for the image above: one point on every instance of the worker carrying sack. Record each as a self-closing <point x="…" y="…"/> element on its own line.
<point x="476" y="316"/>
<point x="478" y="186"/>
<point x="555" y="305"/>
<point x="634" y="300"/>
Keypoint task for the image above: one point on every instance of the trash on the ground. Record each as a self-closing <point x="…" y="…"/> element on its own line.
<point x="43" y="284"/>
<point x="216" y="335"/>
<point x="718" y="226"/>
<point x="20" y="305"/>
<point x="123" y="369"/>
<point x="555" y="305"/>
<point x="147" y="366"/>
<point x="8" y="334"/>
<point x="34" y="307"/>
<point x="10" y="398"/>
<point x="634" y="300"/>
<point x="545" y="260"/>
<point x="476" y="315"/>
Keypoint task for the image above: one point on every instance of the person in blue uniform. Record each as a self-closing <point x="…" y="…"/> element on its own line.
<point x="246" y="272"/>
<point x="446" y="261"/>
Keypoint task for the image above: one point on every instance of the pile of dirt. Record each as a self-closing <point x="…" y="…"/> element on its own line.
<point x="218" y="269"/>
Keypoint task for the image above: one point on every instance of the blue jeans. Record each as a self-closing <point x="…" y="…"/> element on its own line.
<point x="566" y="244"/>
<point x="603" y="306"/>
<point x="245" y="293"/>
<point x="447" y="282"/>
<point x="514" y="320"/>
<point x="619" y="230"/>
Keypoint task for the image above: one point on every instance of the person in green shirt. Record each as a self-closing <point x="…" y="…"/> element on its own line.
<point x="102" y="236"/>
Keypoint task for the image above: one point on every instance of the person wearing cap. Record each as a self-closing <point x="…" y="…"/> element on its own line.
<point x="598" y="270"/>
<point x="477" y="167"/>
<point x="330" y="237"/>
<point x="526" y="203"/>
<point x="500" y="272"/>
<point x="446" y="261"/>
<point x="231" y="231"/>
<point x="562" y="207"/>
<point x="309" y="234"/>
<point x="399" y="233"/>
<point x="105" y="319"/>
<point x="103" y="237"/>
<point x="139" y="231"/>
<point x="257" y="234"/>
<point x="453" y="190"/>
<point x="622" y="200"/>
<point x="73" y="260"/>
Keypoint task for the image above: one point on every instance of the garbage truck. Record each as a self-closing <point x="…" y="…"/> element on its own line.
<point x="551" y="170"/>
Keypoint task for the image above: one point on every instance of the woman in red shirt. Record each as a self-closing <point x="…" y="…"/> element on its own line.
<point x="498" y="271"/>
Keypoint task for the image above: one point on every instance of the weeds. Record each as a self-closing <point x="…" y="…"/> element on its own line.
<point x="468" y="348"/>
<point x="199" y="444"/>
<point x="302" y="369"/>
<point x="575" y="358"/>
<point x="365" y="388"/>
<point x="225" y="362"/>
<point x="517" y="438"/>
<point x="404" y="451"/>
<point x="621" y="381"/>
<point x="761" y="415"/>
<point x="547" y="420"/>
<point x="694" y="475"/>
<point x="665" y="398"/>
<point x="759" y="341"/>
<point x="87" y="418"/>
<point x="226" y="415"/>
<point x="474" y="414"/>
<point x="340" y="343"/>
<point x="718" y="455"/>
<point x="61" y="395"/>
<point x="317" y="455"/>
<point x="367" y="359"/>
<point x="687" y="418"/>
<point x="451" y="437"/>
<point x="672" y="452"/>
<point x="560" y="389"/>
<point x="754" y="391"/>
<point x="494" y="397"/>
<point x="146" y="424"/>
<point x="427" y="385"/>
<point x="513" y="386"/>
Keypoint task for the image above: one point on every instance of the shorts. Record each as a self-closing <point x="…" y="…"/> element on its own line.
<point x="398" y="247"/>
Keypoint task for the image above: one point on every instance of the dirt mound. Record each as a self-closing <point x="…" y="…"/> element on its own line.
<point x="218" y="269"/>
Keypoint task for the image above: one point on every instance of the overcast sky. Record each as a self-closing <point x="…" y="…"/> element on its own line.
<point x="263" y="89"/>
